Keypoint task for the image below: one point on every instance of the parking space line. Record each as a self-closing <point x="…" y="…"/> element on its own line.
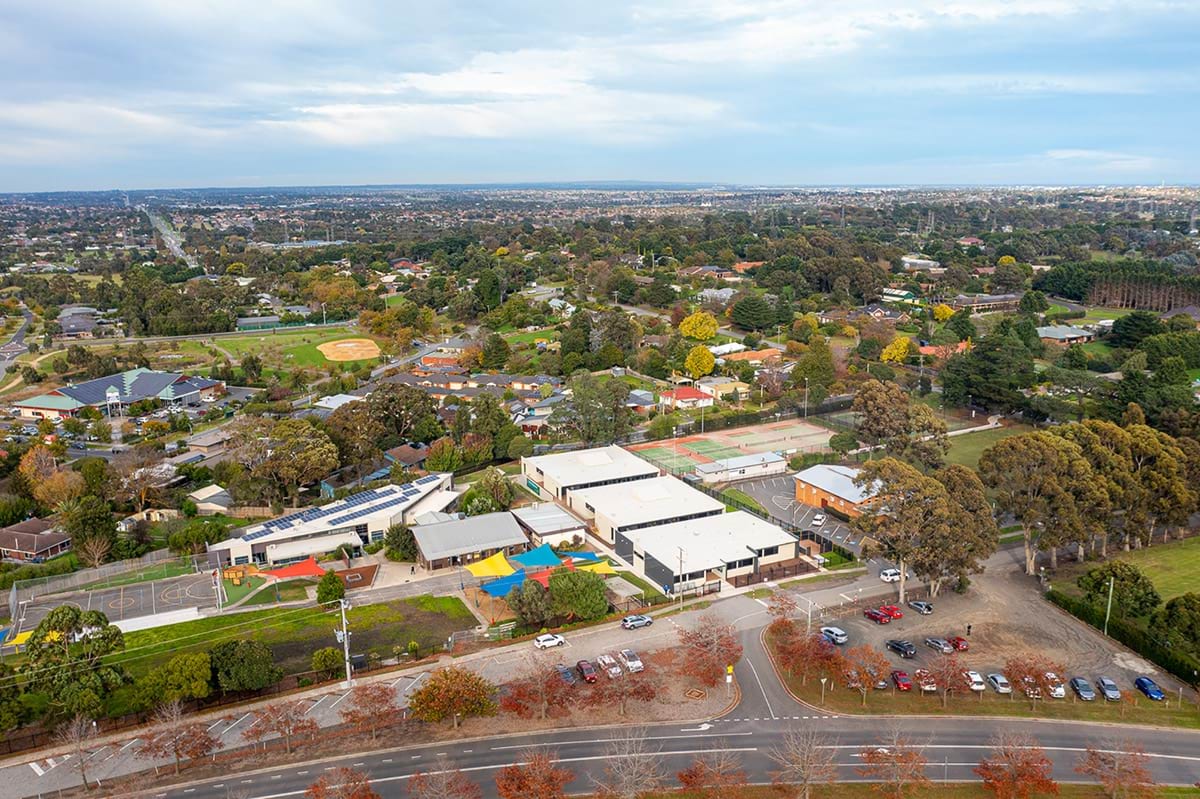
<point x="339" y="699"/>
<point x="313" y="706"/>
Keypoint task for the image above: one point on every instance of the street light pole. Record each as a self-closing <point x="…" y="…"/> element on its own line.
<point x="343" y="605"/>
<point x="1108" y="610"/>
<point x="806" y="398"/>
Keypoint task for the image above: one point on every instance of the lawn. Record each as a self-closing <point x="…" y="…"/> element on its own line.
<point x="1098" y="348"/>
<point x="638" y="582"/>
<point x="287" y="591"/>
<point x="234" y="593"/>
<point x="1172" y="567"/>
<point x="530" y="336"/>
<point x="966" y="449"/>
<point x="289" y="348"/>
<point x="1100" y="314"/>
<point x="745" y="499"/>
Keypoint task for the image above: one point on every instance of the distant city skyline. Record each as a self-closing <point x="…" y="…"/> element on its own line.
<point x="804" y="93"/>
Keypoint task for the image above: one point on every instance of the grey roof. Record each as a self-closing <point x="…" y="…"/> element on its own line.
<point x="472" y="534"/>
<point x="134" y="385"/>
<point x="740" y="462"/>
<point x="257" y="321"/>
<point x="640" y="397"/>
<point x="545" y="518"/>
<point x="835" y="480"/>
<point x="1190" y="310"/>
<point x="1062" y="332"/>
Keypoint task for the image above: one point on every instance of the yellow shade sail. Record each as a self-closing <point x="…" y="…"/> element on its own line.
<point x="495" y="566"/>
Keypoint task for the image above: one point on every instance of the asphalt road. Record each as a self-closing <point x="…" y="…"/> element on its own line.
<point x="18" y="337"/>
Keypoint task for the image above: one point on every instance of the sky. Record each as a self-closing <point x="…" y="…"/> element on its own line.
<point x="153" y="94"/>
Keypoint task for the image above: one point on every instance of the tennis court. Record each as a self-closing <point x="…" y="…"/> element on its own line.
<point x="955" y="420"/>
<point x="685" y="453"/>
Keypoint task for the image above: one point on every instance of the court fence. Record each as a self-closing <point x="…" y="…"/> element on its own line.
<point x="160" y="564"/>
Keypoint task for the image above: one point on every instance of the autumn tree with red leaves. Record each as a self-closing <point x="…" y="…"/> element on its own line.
<point x="896" y="765"/>
<point x="342" y="783"/>
<point x="537" y="694"/>
<point x="174" y="736"/>
<point x="709" y="647"/>
<point x="619" y="693"/>
<point x="804" y="654"/>
<point x="1016" y="768"/>
<point x="452" y="693"/>
<point x="286" y="719"/>
<point x="864" y="666"/>
<point x="947" y="672"/>
<point x="443" y="783"/>
<point x="371" y="707"/>
<point x="1028" y="675"/>
<point x="1121" y="767"/>
<point x="536" y="777"/>
<point x="714" y="775"/>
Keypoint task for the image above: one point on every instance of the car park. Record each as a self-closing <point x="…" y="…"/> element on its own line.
<point x="925" y="680"/>
<point x="890" y="575"/>
<point x="608" y="664"/>
<point x="901" y="680"/>
<point x="974" y="680"/>
<point x="904" y="649"/>
<point x="835" y="635"/>
<point x="567" y="675"/>
<point x="1148" y="687"/>
<point x="1109" y="689"/>
<point x="818" y="520"/>
<point x="630" y="660"/>
<point x="999" y="683"/>
<point x="959" y="643"/>
<point x="1030" y="687"/>
<point x="636" y="621"/>
<point x="939" y="645"/>
<point x="587" y="671"/>
<point x="891" y="611"/>
<point x="1057" y="689"/>
<point x="1082" y="689"/>
<point x="924" y="608"/>
<point x="549" y="640"/>
<point x="877" y="617"/>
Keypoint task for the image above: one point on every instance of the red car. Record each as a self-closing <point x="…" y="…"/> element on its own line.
<point x="587" y="671"/>
<point x="876" y="616"/>
<point x="891" y="611"/>
<point x="959" y="643"/>
<point x="900" y="678"/>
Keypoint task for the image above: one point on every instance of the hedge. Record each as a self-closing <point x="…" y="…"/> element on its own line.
<point x="1131" y="635"/>
<point x="61" y="564"/>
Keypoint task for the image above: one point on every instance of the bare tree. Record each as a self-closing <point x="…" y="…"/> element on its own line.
<point x="1016" y="768"/>
<point x="632" y="767"/>
<point x="443" y="782"/>
<point x="139" y="478"/>
<point x="896" y="763"/>
<point x="173" y="735"/>
<point x="76" y="733"/>
<point x="1121" y="767"/>
<point x="805" y="758"/>
<point x="716" y="774"/>
<point x="93" y="550"/>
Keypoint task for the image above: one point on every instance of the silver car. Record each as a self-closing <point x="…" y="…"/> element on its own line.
<point x="939" y="645"/>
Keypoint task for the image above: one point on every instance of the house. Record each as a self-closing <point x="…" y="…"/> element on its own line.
<point x="33" y="540"/>
<point x="742" y="267"/>
<point x="76" y="326"/>
<point x="755" y="357"/>
<point x="832" y="487"/>
<point x="685" y="397"/>
<point x="561" y="307"/>
<point x="211" y="500"/>
<point x="210" y="442"/>
<point x="148" y="516"/>
<point x="447" y="544"/>
<point x="878" y="312"/>
<point x="335" y="401"/>
<point x="720" y="387"/>
<point x="558" y="474"/>
<point x="623" y="509"/>
<point x="721" y="350"/>
<point x="410" y="456"/>
<point x="938" y="350"/>
<point x="899" y="297"/>
<point x="114" y="393"/>
<point x="743" y="467"/>
<point x="1064" y="335"/>
<point x="716" y="296"/>
<point x="640" y="401"/>
<point x="1190" y="311"/>
<point x="708" y="270"/>
<point x="549" y="523"/>
<point x="969" y="241"/>
<point x="915" y="263"/>
<point x="985" y="303"/>
<point x="439" y="360"/>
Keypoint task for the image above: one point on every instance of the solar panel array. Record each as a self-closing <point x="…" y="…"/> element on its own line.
<point x="358" y="505"/>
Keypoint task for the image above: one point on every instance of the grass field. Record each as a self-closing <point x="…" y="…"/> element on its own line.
<point x="1100" y="314"/>
<point x="745" y="499"/>
<point x="1098" y="348"/>
<point x="966" y="449"/>
<point x="288" y="591"/>
<point x="235" y="593"/>
<point x="288" y="348"/>
<point x="1172" y="567"/>
<point x="530" y="336"/>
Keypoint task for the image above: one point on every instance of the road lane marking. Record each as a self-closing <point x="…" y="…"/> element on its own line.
<point x="753" y="670"/>
<point x="648" y="738"/>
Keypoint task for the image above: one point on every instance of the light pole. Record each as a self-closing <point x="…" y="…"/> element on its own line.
<point x="1108" y="610"/>
<point x="343" y="605"/>
<point x="806" y="398"/>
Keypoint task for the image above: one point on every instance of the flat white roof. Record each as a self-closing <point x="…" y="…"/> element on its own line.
<point x="647" y="500"/>
<point x="710" y="542"/>
<point x="739" y="462"/>
<point x="591" y="465"/>
<point x="545" y="518"/>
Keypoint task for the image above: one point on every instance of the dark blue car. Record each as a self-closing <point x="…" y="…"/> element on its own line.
<point x="1149" y="688"/>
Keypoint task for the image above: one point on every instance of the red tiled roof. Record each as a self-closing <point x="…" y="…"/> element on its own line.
<point x="685" y="393"/>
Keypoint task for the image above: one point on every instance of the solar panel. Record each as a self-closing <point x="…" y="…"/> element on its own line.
<point x="429" y="478"/>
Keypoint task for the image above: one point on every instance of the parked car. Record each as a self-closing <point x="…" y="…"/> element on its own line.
<point x="636" y="621"/>
<point x="549" y="640"/>
<point x="835" y="635"/>
<point x="939" y="645"/>
<point x="892" y="610"/>
<point x="1148" y="687"/>
<point x="567" y="675"/>
<point x="903" y="683"/>
<point x="876" y="616"/>
<point x="818" y="520"/>
<point x="959" y="643"/>
<point x="904" y="649"/>
<point x="630" y="660"/>
<point x="587" y="671"/>
<point x="890" y="575"/>
<point x="1057" y="689"/>
<point x="974" y="680"/>
<point x="1030" y="687"/>
<point x="1109" y="688"/>
<point x="999" y="682"/>
<point x="924" y="608"/>
<point x="925" y="680"/>
<point x="609" y="666"/>
<point x="1082" y="689"/>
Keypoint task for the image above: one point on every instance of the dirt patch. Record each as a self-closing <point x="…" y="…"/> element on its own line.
<point x="358" y="577"/>
<point x="349" y="349"/>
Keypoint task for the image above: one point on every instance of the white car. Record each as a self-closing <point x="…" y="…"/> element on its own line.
<point x="835" y="635"/>
<point x="974" y="681"/>
<point x="818" y="520"/>
<point x="630" y="660"/>
<point x="1000" y="683"/>
<point x="608" y="665"/>
<point x="549" y="641"/>
<point x="1057" y="689"/>
<point x="890" y="575"/>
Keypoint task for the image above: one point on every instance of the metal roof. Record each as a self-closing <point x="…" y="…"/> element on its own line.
<point x="709" y="542"/>
<point x="835" y="480"/>
<point x="544" y="518"/>
<point x="593" y="465"/>
<point x="465" y="536"/>
<point x="740" y="462"/>
<point x="649" y="500"/>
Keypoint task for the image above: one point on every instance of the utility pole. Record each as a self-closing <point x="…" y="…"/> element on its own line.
<point x="680" y="577"/>
<point x="1108" y="610"/>
<point x="343" y="605"/>
<point x="806" y="398"/>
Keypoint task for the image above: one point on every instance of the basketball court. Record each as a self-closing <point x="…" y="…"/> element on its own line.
<point x="125" y="602"/>
<point x="683" y="454"/>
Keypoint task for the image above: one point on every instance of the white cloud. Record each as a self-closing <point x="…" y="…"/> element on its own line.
<point x="1105" y="160"/>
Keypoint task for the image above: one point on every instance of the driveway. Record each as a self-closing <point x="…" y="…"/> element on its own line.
<point x="778" y="496"/>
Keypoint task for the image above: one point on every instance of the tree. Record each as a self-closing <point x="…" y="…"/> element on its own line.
<point x="300" y="454"/>
<point x="174" y="736"/>
<point x="356" y="431"/>
<point x="898" y="351"/>
<point x="636" y="687"/>
<point x="453" y="692"/>
<point x="896" y="765"/>
<point x="12" y="710"/>
<point x="60" y="486"/>
<point x="37" y="464"/>
<point x="864" y="667"/>
<point x="1033" y="302"/>
<point x="1121" y="768"/>
<point x="328" y="661"/>
<point x="1028" y="673"/>
<point x="139" y="480"/>
<point x="578" y="595"/>
<point x="401" y="408"/>
<point x="531" y="604"/>
<point x="93" y="551"/>
<point x="330" y="588"/>
<point x="537" y="693"/>
<point x="947" y="672"/>
<point x="662" y="425"/>
<point x="86" y="518"/>
<point x="802" y="653"/>
<point x="752" y="312"/>
<point x="1130" y="330"/>
<point x="815" y="371"/>
<point x="950" y="553"/>
<point x="496" y="352"/>
<point x="632" y="768"/>
<point x="699" y="362"/>
<point x="194" y="536"/>
<point x="66" y="660"/>
<point x="497" y="486"/>
<point x="1133" y="593"/>
<point x="844" y="442"/>
<point x="716" y="774"/>
<point x="342" y="783"/>
<point x="960" y="324"/>
<point x="709" y="648"/>
<point x="443" y="782"/>
<point x="74" y="735"/>
<point x="881" y="410"/>
<point x="942" y="312"/>
<point x="243" y="665"/>
<point x="700" y="326"/>
<point x="1179" y="619"/>
<point x="536" y="777"/>
<point x="596" y="413"/>
<point x="371" y="707"/>
<point x="993" y="373"/>
<point x="400" y="544"/>
<point x="804" y="758"/>
<point x="187" y="675"/>
<point x="285" y="719"/>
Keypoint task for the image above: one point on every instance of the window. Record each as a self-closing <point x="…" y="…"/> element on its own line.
<point x="241" y="560"/>
<point x="377" y="535"/>
<point x="764" y="553"/>
<point x="589" y="507"/>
